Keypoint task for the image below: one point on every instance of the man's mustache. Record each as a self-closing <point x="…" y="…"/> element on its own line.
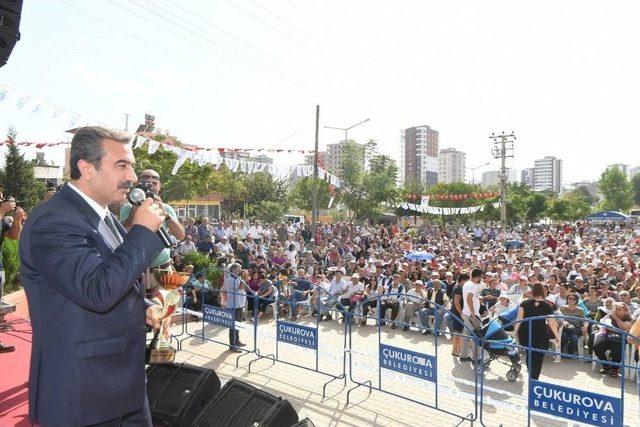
<point x="125" y="185"/>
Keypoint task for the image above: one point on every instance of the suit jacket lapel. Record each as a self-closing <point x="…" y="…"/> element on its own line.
<point x="92" y="218"/>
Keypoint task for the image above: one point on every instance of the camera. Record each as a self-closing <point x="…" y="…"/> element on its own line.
<point x="135" y="192"/>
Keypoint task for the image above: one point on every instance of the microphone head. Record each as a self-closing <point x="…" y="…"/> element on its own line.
<point x="136" y="196"/>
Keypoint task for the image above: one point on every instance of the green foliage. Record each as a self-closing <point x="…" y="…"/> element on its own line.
<point x="582" y="190"/>
<point x="302" y="194"/>
<point x="199" y="261"/>
<point x="191" y="181"/>
<point x="524" y="204"/>
<point x="616" y="190"/>
<point x="202" y="262"/>
<point x="269" y="211"/>
<point x="264" y="188"/>
<point x="365" y="192"/>
<point x="11" y="262"/>
<point x="635" y="187"/>
<point x="18" y="179"/>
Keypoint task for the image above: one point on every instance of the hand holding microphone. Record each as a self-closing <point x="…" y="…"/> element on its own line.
<point x="148" y="213"/>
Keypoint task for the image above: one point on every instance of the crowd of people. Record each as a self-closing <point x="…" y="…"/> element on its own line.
<point x="582" y="271"/>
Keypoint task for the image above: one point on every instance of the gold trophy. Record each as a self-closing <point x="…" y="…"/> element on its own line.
<point x="166" y="297"/>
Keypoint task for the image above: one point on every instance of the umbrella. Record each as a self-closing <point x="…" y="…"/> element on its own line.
<point x="419" y="256"/>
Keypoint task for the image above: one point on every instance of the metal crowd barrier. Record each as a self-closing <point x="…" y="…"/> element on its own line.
<point x="413" y="363"/>
<point x="415" y="366"/>
<point x="267" y="339"/>
<point x="570" y="403"/>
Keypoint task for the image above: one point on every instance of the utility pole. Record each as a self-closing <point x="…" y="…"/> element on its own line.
<point x="503" y="148"/>
<point x="126" y="122"/>
<point x="314" y="200"/>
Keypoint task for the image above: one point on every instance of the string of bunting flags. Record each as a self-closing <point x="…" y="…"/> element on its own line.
<point x="436" y="210"/>
<point x="477" y="196"/>
<point x="35" y="144"/>
<point x="214" y="157"/>
<point x="35" y="105"/>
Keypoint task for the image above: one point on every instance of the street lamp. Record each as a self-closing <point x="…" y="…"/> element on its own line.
<point x="346" y="130"/>
<point x="473" y="170"/>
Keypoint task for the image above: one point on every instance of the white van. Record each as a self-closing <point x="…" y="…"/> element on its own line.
<point x="634" y="213"/>
<point x="295" y="219"/>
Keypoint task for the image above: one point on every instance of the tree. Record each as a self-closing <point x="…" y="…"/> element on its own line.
<point x="616" y="190"/>
<point x="302" y="194"/>
<point x="584" y="191"/>
<point x="269" y="211"/>
<point x="365" y="192"/>
<point x="262" y="186"/>
<point x="17" y="179"/>
<point x="635" y="186"/>
<point x="524" y="204"/>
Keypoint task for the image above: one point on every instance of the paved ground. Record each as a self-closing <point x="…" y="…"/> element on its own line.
<point x="504" y="402"/>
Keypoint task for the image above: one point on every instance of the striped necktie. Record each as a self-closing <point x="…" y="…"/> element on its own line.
<point x="109" y="221"/>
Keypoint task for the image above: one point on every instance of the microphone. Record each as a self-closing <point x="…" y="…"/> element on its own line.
<point x="136" y="196"/>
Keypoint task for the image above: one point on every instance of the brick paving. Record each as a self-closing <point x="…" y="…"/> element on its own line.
<point x="504" y="402"/>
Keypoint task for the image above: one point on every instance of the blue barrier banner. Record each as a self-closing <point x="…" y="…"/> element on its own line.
<point x="573" y="404"/>
<point x="217" y="315"/>
<point x="303" y="336"/>
<point x="408" y="362"/>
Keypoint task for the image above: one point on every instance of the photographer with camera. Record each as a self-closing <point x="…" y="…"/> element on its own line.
<point x="10" y="231"/>
<point x="150" y="180"/>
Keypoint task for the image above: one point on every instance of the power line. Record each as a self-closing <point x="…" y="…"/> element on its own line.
<point x="303" y="33"/>
<point x="147" y="42"/>
<point x="331" y="30"/>
<point x="273" y="27"/>
<point x="144" y="18"/>
<point x="222" y="30"/>
<point x="252" y="62"/>
<point x="285" y="139"/>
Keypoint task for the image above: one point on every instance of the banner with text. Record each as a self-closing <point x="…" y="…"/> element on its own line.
<point x="217" y="315"/>
<point x="408" y="362"/>
<point x="573" y="404"/>
<point x="303" y="336"/>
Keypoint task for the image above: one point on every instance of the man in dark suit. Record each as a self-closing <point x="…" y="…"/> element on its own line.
<point x="80" y="272"/>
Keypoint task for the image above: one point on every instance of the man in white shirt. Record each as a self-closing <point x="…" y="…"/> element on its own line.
<point x="471" y="313"/>
<point x="336" y="288"/>
<point x="354" y="288"/>
<point x="224" y="245"/>
<point x="255" y="232"/>
<point x="186" y="245"/>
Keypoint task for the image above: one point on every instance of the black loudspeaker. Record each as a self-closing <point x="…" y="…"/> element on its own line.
<point x="10" y="11"/>
<point x="178" y="392"/>
<point x="242" y="405"/>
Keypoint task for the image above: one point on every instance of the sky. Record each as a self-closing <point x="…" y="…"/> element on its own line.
<point x="563" y="75"/>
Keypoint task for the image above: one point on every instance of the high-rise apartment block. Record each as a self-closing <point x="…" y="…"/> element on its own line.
<point x="451" y="166"/>
<point x="331" y="159"/>
<point x="545" y="175"/>
<point x="492" y="178"/>
<point x="419" y="148"/>
<point x="625" y="169"/>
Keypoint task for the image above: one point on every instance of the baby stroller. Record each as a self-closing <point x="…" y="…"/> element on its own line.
<point x="500" y="348"/>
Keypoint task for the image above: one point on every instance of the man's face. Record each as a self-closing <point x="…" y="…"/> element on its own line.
<point x="152" y="179"/>
<point x="111" y="183"/>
